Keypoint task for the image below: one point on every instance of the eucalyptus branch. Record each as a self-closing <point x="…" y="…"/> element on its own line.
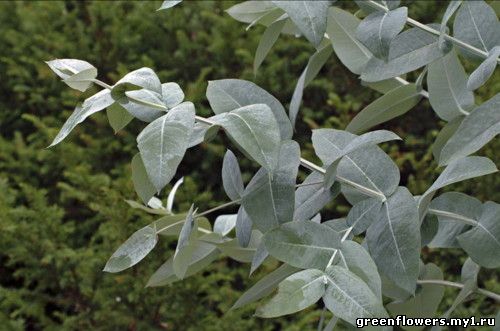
<point x="305" y="163"/>
<point x="489" y="294"/>
<point x="417" y="24"/>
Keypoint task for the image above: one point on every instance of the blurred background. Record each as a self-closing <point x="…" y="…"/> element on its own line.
<point x="62" y="210"/>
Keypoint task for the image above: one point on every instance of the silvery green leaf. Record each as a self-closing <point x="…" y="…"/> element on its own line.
<point x="171" y="194"/>
<point x="269" y="198"/>
<point x="362" y="214"/>
<point x="379" y="28"/>
<point x="339" y="225"/>
<point x="357" y="167"/>
<point x="469" y="272"/>
<point x="259" y="257"/>
<point x="92" y="105"/>
<point x="241" y="254"/>
<point x="184" y="250"/>
<point x="143" y="104"/>
<point x="482" y="242"/>
<point x="231" y="176"/>
<point x="118" y="117"/>
<point x="311" y="198"/>
<point x="302" y="244"/>
<point x="203" y="255"/>
<point x="265" y="286"/>
<point x="394" y="239"/>
<point x="316" y="218"/>
<point x="390" y="289"/>
<point x="225" y="224"/>
<point x="76" y="74"/>
<point x="454" y="211"/>
<point x="243" y="227"/>
<point x="392" y="104"/>
<point x="155" y="203"/>
<point x="133" y="250"/>
<point x="163" y="142"/>
<point x="226" y="95"/>
<point x="266" y="42"/>
<point x="456" y="171"/>
<point x="348" y="297"/>
<point x="409" y="51"/>
<point x="172" y="94"/>
<point x="166" y="4"/>
<point x="475" y="131"/>
<point x="367" y="139"/>
<point x="448" y="92"/>
<point x="309" y="16"/>
<point x="450" y="10"/>
<point x="341" y="29"/>
<point x="250" y="11"/>
<point x="425" y="302"/>
<point x="358" y="261"/>
<point x="198" y="134"/>
<point x="314" y="65"/>
<point x="295" y="293"/>
<point x="484" y="71"/>
<point x="270" y="17"/>
<point x="428" y="229"/>
<point x="143" y="77"/>
<point x="444" y="135"/>
<point x="477" y="24"/>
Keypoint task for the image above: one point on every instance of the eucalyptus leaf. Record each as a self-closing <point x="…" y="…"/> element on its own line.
<point x="379" y="28"/>
<point x="171" y="194"/>
<point x="203" y="255"/>
<point x="163" y="142"/>
<point x="392" y="104"/>
<point x="118" y="117"/>
<point x="475" y="131"/>
<point x="250" y="11"/>
<point x="92" y="105"/>
<point x="314" y="65"/>
<point x="309" y="16"/>
<point x="456" y="171"/>
<point x="243" y="227"/>
<point x="394" y="239"/>
<point x="255" y="130"/>
<point x="184" y="250"/>
<point x="225" y="224"/>
<point x="454" y="211"/>
<point x="409" y="51"/>
<point x="68" y="68"/>
<point x="425" y="302"/>
<point x="357" y="166"/>
<point x="143" y="77"/>
<point x="142" y="185"/>
<point x="363" y="214"/>
<point x="477" y="24"/>
<point x="302" y="244"/>
<point x="313" y="196"/>
<point x="348" y="297"/>
<point x="259" y="257"/>
<point x="295" y="293"/>
<point x="133" y="250"/>
<point x="444" y="135"/>
<point x="484" y="71"/>
<point x="341" y="29"/>
<point x="143" y="104"/>
<point x="482" y="242"/>
<point x="359" y="262"/>
<point x="231" y="176"/>
<point x="172" y="94"/>
<point x="450" y="10"/>
<point x="226" y="95"/>
<point x="447" y="85"/>
<point x="265" y="286"/>
<point x="268" y="39"/>
<point x="269" y="198"/>
<point x="238" y="253"/>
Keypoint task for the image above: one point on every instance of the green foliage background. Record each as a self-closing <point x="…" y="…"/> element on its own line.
<point x="62" y="211"/>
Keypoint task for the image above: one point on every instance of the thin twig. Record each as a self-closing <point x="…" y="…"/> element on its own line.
<point x="487" y="293"/>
